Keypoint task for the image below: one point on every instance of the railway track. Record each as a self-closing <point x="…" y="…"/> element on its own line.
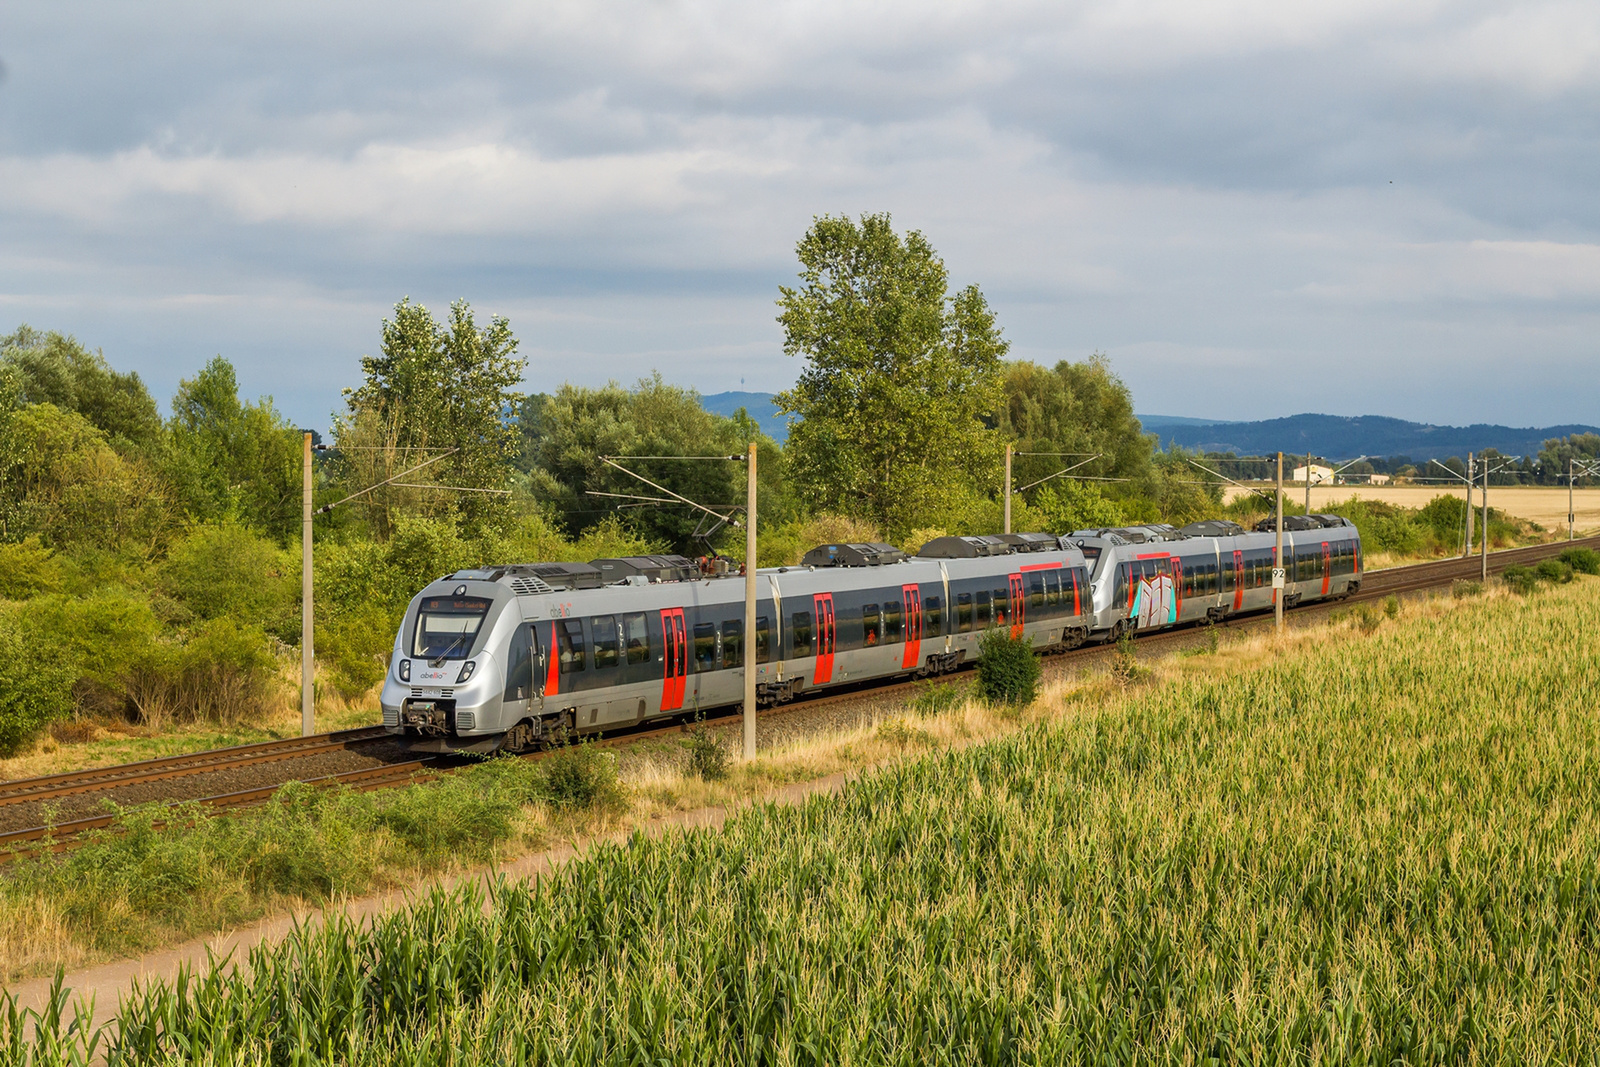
<point x="59" y="837"/>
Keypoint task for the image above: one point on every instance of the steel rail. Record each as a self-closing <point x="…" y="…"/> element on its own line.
<point x="67" y="783"/>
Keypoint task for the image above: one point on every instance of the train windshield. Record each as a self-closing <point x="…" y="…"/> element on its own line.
<point x="447" y="625"/>
<point x="1091" y="555"/>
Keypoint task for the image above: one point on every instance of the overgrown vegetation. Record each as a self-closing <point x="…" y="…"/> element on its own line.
<point x="165" y="871"/>
<point x="1162" y="871"/>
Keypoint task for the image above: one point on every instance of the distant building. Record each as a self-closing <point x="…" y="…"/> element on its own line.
<point x="1377" y="479"/>
<point x="1319" y="475"/>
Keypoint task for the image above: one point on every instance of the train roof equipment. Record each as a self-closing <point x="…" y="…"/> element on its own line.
<point x="532" y="579"/>
<point x="659" y="568"/>
<point x="965" y="547"/>
<point x="854" y="554"/>
<point x="1212" y="528"/>
<point x="1031" y="542"/>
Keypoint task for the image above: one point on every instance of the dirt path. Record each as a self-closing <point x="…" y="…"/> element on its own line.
<point x="107" y="984"/>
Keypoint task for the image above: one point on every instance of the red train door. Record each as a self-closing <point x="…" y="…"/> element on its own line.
<point x="913" y="598"/>
<point x="1017" y="617"/>
<point x="675" y="674"/>
<point x="1238" y="580"/>
<point x="545" y="635"/>
<point x="1327" y="568"/>
<point x="823" y="604"/>
<point x="1177" y="588"/>
<point x="1077" y="597"/>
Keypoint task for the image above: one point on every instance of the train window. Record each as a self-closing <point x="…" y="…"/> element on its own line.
<point x="733" y="643"/>
<point x="963" y="612"/>
<point x="569" y="639"/>
<point x="447" y="626"/>
<point x="870" y="625"/>
<point x="932" y="617"/>
<point x="1036" y="591"/>
<point x="519" y="672"/>
<point x="1052" y="588"/>
<point x="636" y="635"/>
<point x="1119" y="592"/>
<point x="705" y="646"/>
<point x="980" y="614"/>
<point x="800" y="628"/>
<point x="891" y="622"/>
<point x="763" y="640"/>
<point x="604" y="629"/>
<point x="1002" y="599"/>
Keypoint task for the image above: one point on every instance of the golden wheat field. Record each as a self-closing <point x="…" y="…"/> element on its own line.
<point x="1541" y="504"/>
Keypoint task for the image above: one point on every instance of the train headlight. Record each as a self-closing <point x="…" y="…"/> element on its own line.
<point x="404" y="670"/>
<point x="466" y="671"/>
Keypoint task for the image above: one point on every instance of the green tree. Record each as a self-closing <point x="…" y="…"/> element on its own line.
<point x="1579" y="448"/>
<point x="229" y="460"/>
<point x="56" y="369"/>
<point x="568" y="431"/>
<point x="1078" y="408"/>
<point x="901" y="382"/>
<point x="435" y="386"/>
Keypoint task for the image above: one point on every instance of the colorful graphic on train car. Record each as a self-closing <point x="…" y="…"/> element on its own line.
<point x="1155" y="602"/>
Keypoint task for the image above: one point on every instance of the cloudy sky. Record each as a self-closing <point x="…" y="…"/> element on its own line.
<point x="1254" y="208"/>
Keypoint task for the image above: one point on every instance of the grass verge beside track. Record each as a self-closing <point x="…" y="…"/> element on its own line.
<point x="1377" y="840"/>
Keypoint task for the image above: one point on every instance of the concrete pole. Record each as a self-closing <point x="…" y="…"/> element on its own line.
<point x="1571" y="515"/>
<point x="1467" y="548"/>
<point x="1485" y="491"/>
<point x="750" y="607"/>
<point x="1308" y="483"/>
<point x="1278" y="583"/>
<point x="308" y="709"/>
<point x="1008" y="488"/>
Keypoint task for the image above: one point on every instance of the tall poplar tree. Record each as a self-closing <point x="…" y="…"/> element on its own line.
<point x="896" y="403"/>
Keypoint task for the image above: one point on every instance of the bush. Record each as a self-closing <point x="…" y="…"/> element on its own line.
<point x="1553" y="570"/>
<point x="1462" y="588"/>
<point x="1582" y="560"/>
<point x="35" y="682"/>
<point x="225" y="570"/>
<point x="707" y="759"/>
<point x="1008" y="671"/>
<point x="28" y="569"/>
<point x="1519" y="579"/>
<point x="355" y="648"/>
<point x="938" y="699"/>
<point x="1391" y="606"/>
<point x="226" y="673"/>
<point x="583" y="776"/>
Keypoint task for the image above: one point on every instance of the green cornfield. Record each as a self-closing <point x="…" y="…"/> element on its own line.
<point x="1377" y="849"/>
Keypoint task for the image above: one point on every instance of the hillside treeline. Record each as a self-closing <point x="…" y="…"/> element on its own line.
<point x="149" y="562"/>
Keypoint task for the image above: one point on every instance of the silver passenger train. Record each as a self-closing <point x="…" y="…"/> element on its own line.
<point x="512" y="657"/>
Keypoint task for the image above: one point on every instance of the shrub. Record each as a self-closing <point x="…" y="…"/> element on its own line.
<point x="1391" y="606"/>
<point x="28" y="569"/>
<point x="583" y="776"/>
<point x="225" y="570"/>
<point x="707" y="759"/>
<point x="1519" y="579"/>
<point x="1582" y="560"/>
<point x="1465" y="587"/>
<point x="1008" y="671"/>
<point x="938" y="699"/>
<point x="35" y="682"/>
<point x="1125" y="662"/>
<point x="226" y="672"/>
<point x="355" y="648"/>
<point x="1554" y="570"/>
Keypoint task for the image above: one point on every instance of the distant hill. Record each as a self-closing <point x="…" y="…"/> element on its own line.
<point x="1331" y="436"/>
<point x="1343" y="437"/>
<point x="758" y="405"/>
